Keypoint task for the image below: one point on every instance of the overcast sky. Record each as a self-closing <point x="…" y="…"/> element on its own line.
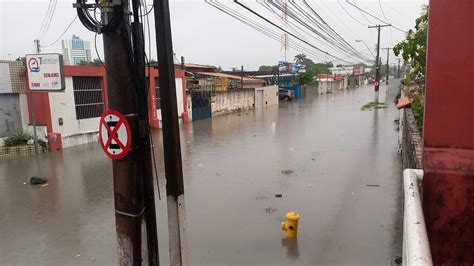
<point x="205" y="35"/>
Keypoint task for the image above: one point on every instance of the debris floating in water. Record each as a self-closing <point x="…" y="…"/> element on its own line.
<point x="36" y="180"/>
<point x="287" y="172"/>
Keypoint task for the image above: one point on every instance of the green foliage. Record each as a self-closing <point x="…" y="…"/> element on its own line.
<point x="21" y="137"/>
<point x="371" y="105"/>
<point x="95" y="62"/>
<point x="413" y="48"/>
<point x="299" y="58"/>
<point x="313" y="70"/>
<point x="266" y="69"/>
<point x="416" y="94"/>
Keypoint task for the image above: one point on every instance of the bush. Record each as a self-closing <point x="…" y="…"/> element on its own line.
<point x="21" y="137"/>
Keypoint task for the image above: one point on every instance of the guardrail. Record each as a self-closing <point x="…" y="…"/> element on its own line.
<point x="416" y="247"/>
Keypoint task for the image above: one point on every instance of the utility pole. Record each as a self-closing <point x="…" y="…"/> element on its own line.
<point x="37" y="46"/>
<point x="377" y="62"/>
<point x="398" y="70"/>
<point x="127" y="93"/>
<point x="241" y="77"/>
<point x="171" y="140"/>
<point x="128" y="184"/>
<point x="388" y="67"/>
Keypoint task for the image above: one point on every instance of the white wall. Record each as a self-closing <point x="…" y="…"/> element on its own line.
<point x="73" y="131"/>
<point x="270" y="95"/>
<point x="179" y="98"/>
<point x="225" y="102"/>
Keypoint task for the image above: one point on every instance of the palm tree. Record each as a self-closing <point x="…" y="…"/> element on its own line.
<point x="299" y="58"/>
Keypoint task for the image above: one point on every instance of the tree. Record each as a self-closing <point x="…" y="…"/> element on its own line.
<point x="266" y="68"/>
<point x="312" y="71"/>
<point x="299" y="58"/>
<point x="413" y="48"/>
<point x="95" y="62"/>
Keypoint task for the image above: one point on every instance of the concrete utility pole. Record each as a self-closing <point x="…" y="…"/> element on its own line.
<point x="398" y="70"/>
<point x="377" y="67"/>
<point x="241" y="77"/>
<point x="37" y="46"/>
<point x="128" y="173"/>
<point x="171" y="141"/>
<point x="388" y="67"/>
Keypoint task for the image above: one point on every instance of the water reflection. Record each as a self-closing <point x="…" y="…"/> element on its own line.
<point x="291" y="246"/>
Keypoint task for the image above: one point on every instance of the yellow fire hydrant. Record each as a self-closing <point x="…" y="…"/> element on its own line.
<point x="290" y="226"/>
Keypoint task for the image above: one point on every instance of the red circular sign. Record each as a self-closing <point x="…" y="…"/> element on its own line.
<point x="114" y="134"/>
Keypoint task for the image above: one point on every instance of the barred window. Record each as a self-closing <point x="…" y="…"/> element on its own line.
<point x="88" y="97"/>
<point x="157" y="94"/>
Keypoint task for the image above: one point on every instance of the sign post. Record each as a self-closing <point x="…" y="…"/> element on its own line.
<point x="45" y="73"/>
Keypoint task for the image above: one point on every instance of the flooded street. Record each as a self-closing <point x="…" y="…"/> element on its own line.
<point x="335" y="165"/>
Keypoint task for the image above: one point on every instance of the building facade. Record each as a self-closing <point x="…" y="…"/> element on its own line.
<point x="76" y="51"/>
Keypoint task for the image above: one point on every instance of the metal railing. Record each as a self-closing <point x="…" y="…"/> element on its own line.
<point x="416" y="247"/>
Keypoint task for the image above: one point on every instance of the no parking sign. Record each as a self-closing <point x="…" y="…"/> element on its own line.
<point x="114" y="134"/>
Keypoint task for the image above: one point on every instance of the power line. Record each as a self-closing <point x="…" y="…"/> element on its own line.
<point x="48" y="20"/>
<point x="62" y="34"/>
<point x="381" y="9"/>
<point x="260" y="28"/>
<point x="349" y="14"/>
<point x="362" y="10"/>
<point x="291" y="34"/>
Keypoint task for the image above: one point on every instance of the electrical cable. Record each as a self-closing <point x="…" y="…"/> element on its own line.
<point x="291" y="34"/>
<point x="62" y="34"/>
<point x="335" y="40"/>
<point x="362" y="10"/>
<point x="49" y="21"/>
<point x="260" y="28"/>
<point x="349" y="14"/>
<point x="46" y="19"/>
<point x="383" y="13"/>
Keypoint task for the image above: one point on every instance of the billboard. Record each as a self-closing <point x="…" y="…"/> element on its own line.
<point x="5" y="79"/>
<point x="288" y="67"/>
<point x="45" y="72"/>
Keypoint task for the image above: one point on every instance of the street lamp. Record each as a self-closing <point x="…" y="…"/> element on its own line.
<point x="370" y="50"/>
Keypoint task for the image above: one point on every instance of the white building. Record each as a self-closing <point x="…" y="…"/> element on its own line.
<point x="76" y="51"/>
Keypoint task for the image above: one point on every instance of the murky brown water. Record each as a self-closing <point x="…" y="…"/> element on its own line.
<point x="320" y="154"/>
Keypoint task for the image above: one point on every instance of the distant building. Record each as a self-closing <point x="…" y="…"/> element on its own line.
<point x="76" y="51"/>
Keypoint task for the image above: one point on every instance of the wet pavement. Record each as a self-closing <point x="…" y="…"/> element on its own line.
<point x="335" y="165"/>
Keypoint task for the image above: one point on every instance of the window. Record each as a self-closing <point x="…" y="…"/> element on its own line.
<point x="88" y="97"/>
<point x="157" y="94"/>
<point x="78" y="60"/>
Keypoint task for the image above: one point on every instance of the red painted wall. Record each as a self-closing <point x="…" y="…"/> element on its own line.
<point x="448" y="187"/>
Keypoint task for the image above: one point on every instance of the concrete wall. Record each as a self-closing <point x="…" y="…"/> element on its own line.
<point x="189" y="106"/>
<point x="179" y="97"/>
<point x="270" y="95"/>
<point x="411" y="141"/>
<point x="10" y="117"/>
<point x="330" y="86"/>
<point x="224" y="102"/>
<point x="73" y="131"/>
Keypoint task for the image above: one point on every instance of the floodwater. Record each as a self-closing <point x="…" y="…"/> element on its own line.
<point x="335" y="165"/>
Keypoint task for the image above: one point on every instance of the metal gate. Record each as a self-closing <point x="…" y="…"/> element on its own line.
<point x="201" y="102"/>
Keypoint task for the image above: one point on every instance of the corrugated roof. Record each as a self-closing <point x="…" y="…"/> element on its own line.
<point x="223" y="75"/>
<point x="199" y="66"/>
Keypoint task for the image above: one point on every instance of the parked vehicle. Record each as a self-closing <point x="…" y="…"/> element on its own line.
<point x="285" y="94"/>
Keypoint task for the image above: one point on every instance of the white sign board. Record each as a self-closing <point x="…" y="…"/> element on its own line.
<point x="5" y="80"/>
<point x="45" y="72"/>
<point x="346" y="70"/>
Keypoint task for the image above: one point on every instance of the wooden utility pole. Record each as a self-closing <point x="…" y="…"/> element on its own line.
<point x="127" y="172"/>
<point x="377" y="62"/>
<point x="398" y="70"/>
<point x="388" y="67"/>
<point x="171" y="140"/>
